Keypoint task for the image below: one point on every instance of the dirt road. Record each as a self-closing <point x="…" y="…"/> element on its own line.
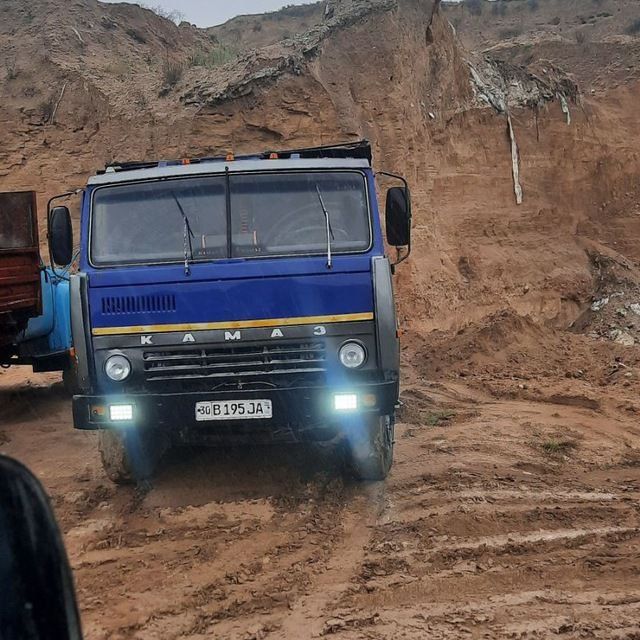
<point x="503" y="518"/>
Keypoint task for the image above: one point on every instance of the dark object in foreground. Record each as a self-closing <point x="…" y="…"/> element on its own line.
<point x="38" y="599"/>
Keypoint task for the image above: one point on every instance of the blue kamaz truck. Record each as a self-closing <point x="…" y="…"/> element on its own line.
<point x="237" y="299"/>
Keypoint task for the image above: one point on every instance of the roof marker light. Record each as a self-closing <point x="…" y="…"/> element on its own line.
<point x="273" y="156"/>
<point x="230" y="157"/>
<point x="186" y="161"/>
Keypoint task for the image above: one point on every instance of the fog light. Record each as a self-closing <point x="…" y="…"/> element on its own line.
<point x="345" y="402"/>
<point x="121" y="412"/>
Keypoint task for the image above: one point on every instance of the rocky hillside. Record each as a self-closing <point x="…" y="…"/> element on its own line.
<point x="251" y="32"/>
<point x="87" y="83"/>
<point x="483" y="23"/>
<point x="598" y="41"/>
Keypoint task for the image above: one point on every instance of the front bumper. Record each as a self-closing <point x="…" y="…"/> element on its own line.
<point x="295" y="410"/>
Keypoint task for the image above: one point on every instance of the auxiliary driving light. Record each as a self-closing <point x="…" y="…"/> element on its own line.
<point x="352" y="355"/>
<point x="345" y="402"/>
<point x="117" y="368"/>
<point x="121" y="412"/>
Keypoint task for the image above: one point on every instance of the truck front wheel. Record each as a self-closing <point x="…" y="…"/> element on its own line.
<point x="370" y="448"/>
<point x="131" y="455"/>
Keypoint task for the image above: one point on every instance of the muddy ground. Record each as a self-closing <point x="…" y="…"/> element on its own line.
<point x="507" y="515"/>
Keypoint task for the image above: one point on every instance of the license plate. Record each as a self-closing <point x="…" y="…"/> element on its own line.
<point x="234" y="410"/>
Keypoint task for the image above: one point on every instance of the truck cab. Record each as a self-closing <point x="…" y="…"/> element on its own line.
<point x="238" y="299"/>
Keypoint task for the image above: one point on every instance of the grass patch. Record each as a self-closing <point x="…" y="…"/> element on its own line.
<point x="558" y="446"/>
<point x="439" y="418"/>
<point x="172" y="73"/>
<point x="214" y="58"/>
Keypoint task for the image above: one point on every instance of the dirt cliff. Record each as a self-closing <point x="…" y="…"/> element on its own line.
<point x="391" y="72"/>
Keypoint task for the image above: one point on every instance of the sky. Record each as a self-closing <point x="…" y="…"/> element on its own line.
<point x="206" y="13"/>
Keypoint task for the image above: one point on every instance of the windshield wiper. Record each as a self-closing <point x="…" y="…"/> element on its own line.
<point x="188" y="235"/>
<point x="330" y="235"/>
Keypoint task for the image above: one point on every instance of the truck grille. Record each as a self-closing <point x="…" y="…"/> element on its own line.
<point x="238" y="362"/>
<point x="115" y="305"/>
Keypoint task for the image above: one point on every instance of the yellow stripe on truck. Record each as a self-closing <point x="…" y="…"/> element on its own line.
<point x="241" y="324"/>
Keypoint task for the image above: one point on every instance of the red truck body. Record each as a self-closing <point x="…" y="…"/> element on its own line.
<point x="20" y="291"/>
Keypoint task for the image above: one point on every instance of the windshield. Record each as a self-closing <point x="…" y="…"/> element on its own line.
<point x="275" y="214"/>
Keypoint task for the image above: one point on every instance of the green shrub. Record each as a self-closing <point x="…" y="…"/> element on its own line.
<point x="172" y="73"/>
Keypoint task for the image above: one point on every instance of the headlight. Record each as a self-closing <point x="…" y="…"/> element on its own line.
<point x="117" y="368"/>
<point x="353" y="355"/>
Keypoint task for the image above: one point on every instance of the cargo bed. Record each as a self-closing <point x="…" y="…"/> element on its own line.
<point x="20" y="294"/>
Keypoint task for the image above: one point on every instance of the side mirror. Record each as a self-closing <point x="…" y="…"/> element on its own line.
<point x="38" y="599"/>
<point x="60" y="236"/>
<point x="398" y="217"/>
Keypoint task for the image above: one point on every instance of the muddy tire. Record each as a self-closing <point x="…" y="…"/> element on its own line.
<point x="130" y="456"/>
<point x="370" y="453"/>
